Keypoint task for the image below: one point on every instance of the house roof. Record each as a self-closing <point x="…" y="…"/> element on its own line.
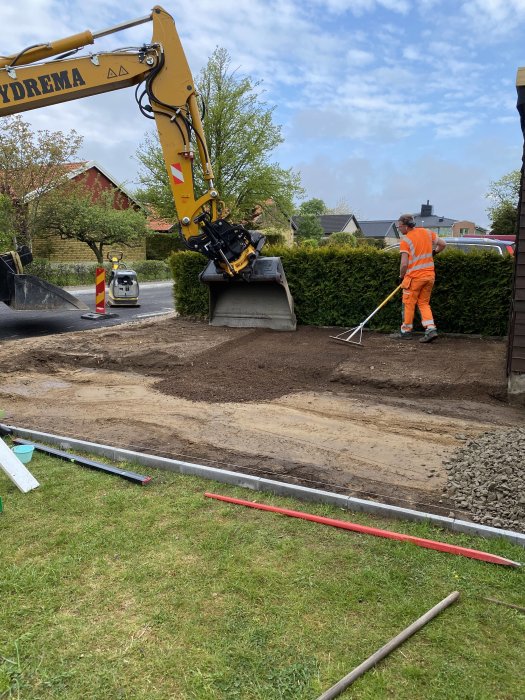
<point x="75" y="169"/>
<point x="386" y="228"/>
<point x="331" y="223"/>
<point x="434" y="221"/>
<point x="160" y="225"/>
<point x="380" y="228"/>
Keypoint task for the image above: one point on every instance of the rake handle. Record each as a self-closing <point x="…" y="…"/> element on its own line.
<point x="381" y="305"/>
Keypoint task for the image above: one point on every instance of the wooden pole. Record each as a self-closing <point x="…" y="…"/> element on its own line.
<point x="343" y="684"/>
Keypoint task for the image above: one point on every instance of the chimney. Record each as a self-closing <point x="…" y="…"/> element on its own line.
<point x="426" y="209"/>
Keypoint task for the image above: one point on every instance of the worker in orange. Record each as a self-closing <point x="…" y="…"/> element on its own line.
<point x="416" y="276"/>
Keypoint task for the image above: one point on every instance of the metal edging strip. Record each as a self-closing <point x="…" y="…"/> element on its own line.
<point x="276" y="487"/>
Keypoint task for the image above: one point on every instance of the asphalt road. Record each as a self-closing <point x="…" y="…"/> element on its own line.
<point x="155" y="298"/>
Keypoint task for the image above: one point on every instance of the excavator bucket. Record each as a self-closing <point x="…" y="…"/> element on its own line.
<point x="262" y="300"/>
<point x="29" y="293"/>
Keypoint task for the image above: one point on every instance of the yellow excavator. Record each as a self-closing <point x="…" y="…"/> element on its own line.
<point x="245" y="289"/>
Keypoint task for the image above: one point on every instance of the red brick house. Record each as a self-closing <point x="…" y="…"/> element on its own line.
<point x="94" y="177"/>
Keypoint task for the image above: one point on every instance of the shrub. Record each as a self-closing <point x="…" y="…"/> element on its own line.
<point x="308" y="242"/>
<point x="63" y="274"/>
<point x="340" y="238"/>
<point x="159" y="246"/>
<point x="150" y="270"/>
<point x="191" y="295"/>
<point x="341" y="286"/>
<point x="377" y="243"/>
<point x="274" y="236"/>
<point x="78" y="274"/>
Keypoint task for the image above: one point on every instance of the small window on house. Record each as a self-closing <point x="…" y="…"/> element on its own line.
<point x="463" y="231"/>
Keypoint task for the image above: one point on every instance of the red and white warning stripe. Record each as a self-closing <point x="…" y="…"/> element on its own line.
<point x="176" y="173"/>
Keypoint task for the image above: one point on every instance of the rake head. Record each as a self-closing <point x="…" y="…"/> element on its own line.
<point x="352" y="335"/>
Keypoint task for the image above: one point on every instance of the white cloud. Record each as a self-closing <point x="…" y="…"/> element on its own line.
<point x="494" y="18"/>
<point x="352" y="78"/>
<point x="382" y="190"/>
<point x="412" y="53"/>
<point x="358" y="57"/>
<point x="359" y="7"/>
<point x="29" y="22"/>
<point x="458" y="126"/>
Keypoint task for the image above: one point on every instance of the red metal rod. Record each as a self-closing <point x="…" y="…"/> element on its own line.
<point x="365" y="530"/>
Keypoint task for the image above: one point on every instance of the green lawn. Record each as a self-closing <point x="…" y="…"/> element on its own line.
<point x="111" y="590"/>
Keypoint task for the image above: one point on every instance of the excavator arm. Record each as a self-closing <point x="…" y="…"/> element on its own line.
<point x="165" y="92"/>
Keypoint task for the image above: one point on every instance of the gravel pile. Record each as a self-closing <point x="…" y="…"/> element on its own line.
<point x="486" y="478"/>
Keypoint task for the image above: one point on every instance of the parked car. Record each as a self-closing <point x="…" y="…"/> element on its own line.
<point x="496" y="236"/>
<point x="469" y="244"/>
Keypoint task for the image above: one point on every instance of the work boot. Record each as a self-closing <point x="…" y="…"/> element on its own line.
<point x="429" y="336"/>
<point x="401" y="335"/>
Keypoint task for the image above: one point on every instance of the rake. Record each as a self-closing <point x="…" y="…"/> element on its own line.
<point x="346" y="336"/>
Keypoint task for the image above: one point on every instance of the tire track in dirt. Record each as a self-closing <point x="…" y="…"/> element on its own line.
<point x="290" y="406"/>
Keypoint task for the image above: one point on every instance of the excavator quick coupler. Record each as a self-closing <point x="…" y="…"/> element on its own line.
<point x="231" y="246"/>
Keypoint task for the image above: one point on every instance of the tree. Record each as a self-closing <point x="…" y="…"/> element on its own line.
<point x="241" y="137"/>
<point x="155" y="191"/>
<point x="309" y="229"/>
<point x="342" y="207"/>
<point x="74" y="213"/>
<point x="31" y="165"/>
<point x="505" y="219"/>
<point x="504" y="196"/>
<point x="313" y="207"/>
<point x="6" y="224"/>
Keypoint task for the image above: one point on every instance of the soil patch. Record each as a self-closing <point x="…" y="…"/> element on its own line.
<point x="375" y="420"/>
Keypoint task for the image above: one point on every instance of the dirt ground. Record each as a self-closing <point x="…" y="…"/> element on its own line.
<point x="373" y="421"/>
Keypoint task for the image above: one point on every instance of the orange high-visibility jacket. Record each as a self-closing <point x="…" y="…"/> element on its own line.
<point x="419" y="243"/>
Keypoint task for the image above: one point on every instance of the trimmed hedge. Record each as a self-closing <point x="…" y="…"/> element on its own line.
<point x="78" y="274"/>
<point x="191" y="295"/>
<point x="151" y="270"/>
<point x="159" y="246"/>
<point x="342" y="286"/>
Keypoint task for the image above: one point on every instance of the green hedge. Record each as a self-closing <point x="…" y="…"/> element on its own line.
<point x="191" y="296"/>
<point x="473" y="292"/>
<point x="79" y="274"/>
<point x="159" y="246"/>
<point x="341" y="287"/>
<point x="273" y="237"/>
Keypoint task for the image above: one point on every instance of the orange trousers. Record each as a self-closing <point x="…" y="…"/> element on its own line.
<point x="417" y="292"/>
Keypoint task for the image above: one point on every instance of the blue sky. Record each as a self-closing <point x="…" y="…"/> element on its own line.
<point x="384" y="104"/>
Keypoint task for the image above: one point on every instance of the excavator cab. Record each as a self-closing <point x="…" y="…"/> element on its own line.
<point x="23" y="292"/>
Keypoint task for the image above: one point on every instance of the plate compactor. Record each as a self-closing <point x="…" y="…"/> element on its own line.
<point x="123" y="283"/>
